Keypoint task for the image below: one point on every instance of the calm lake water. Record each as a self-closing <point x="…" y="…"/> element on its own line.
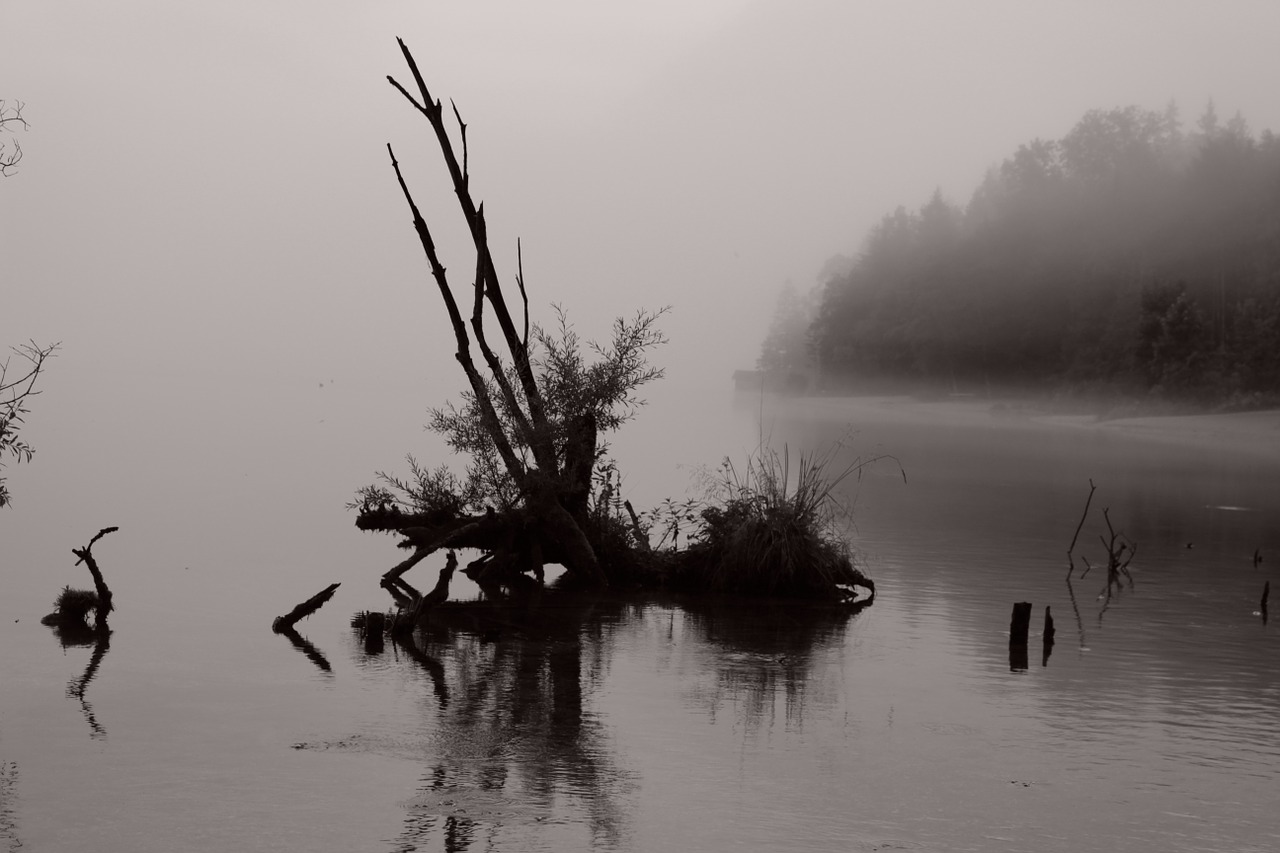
<point x="658" y="724"/>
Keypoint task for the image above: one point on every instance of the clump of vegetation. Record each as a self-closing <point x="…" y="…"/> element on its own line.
<point x="765" y="532"/>
<point x="72" y="606"/>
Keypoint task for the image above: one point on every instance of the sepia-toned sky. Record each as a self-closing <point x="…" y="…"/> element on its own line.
<point x="206" y="217"/>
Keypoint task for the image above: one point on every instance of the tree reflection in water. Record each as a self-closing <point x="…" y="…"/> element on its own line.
<point x="515" y="737"/>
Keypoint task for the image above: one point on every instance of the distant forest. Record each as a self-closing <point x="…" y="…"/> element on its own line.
<point x="1129" y="258"/>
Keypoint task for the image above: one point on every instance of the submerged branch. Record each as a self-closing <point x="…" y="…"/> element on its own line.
<point x="306" y="608"/>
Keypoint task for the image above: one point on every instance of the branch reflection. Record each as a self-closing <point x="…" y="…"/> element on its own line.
<point x="73" y="634"/>
<point x="305" y="646"/>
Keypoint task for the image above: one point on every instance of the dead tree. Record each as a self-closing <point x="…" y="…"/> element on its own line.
<point x="531" y="427"/>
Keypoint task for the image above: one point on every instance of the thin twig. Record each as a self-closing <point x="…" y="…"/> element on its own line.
<point x="1071" y="563"/>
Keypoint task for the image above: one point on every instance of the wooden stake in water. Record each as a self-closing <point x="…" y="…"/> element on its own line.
<point x="1019" y="626"/>
<point x="1048" y="636"/>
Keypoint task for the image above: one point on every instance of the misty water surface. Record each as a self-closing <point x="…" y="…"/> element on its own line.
<point x="654" y="723"/>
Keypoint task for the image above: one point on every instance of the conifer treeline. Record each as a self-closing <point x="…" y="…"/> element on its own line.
<point x="1128" y="256"/>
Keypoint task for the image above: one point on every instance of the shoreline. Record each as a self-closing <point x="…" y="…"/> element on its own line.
<point x="1256" y="433"/>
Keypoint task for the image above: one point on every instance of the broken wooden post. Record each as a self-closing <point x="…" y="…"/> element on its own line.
<point x="306" y="608"/>
<point x="1048" y="636"/>
<point x="372" y="631"/>
<point x="1019" y="626"/>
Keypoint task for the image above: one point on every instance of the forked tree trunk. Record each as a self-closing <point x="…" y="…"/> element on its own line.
<point x="548" y="521"/>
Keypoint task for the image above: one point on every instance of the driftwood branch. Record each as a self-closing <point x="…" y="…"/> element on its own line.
<point x="399" y="569"/>
<point x="282" y="624"/>
<point x="85" y="554"/>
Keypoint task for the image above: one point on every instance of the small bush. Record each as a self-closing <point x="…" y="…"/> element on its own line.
<point x="762" y="534"/>
<point x="73" y="605"/>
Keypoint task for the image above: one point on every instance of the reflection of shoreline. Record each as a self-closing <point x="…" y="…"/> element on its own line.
<point x="1254" y="433"/>
<point x="513" y="730"/>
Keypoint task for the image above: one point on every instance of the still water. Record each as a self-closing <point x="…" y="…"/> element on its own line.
<point x="660" y="724"/>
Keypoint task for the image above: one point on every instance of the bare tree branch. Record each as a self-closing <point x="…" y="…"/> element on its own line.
<point x="11" y="115"/>
<point x="13" y="396"/>
<point x="542" y="446"/>
<point x="524" y="297"/>
<point x="514" y="467"/>
<point x="523" y="426"/>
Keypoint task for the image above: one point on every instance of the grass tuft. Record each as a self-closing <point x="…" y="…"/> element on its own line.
<point x="73" y="605"/>
<point x="768" y="530"/>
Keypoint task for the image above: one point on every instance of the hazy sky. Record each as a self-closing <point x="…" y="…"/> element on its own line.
<point x="207" y="219"/>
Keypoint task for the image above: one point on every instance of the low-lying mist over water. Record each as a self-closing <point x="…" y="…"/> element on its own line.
<point x="1018" y="259"/>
